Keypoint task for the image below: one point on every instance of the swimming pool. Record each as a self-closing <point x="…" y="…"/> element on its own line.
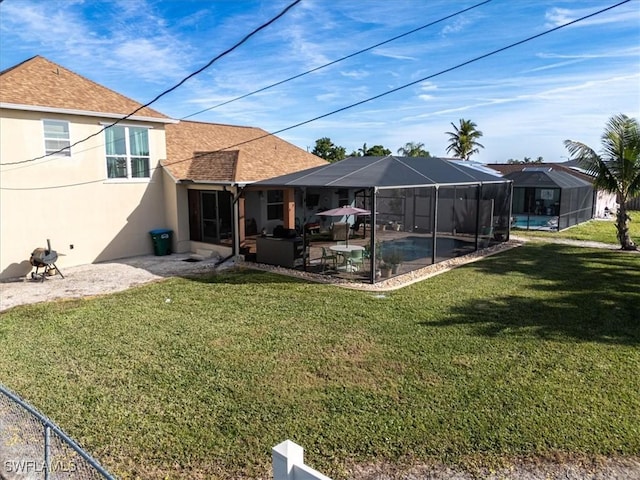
<point x="537" y="222"/>
<point x="415" y="248"/>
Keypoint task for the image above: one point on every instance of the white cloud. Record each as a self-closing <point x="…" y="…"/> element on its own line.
<point x="553" y="65"/>
<point x="390" y="53"/>
<point x="355" y="74"/>
<point x="456" y="26"/>
<point x="559" y="16"/>
<point x="428" y="86"/>
<point x="633" y="51"/>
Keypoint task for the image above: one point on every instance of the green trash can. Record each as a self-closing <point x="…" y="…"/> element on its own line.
<point x="161" y="238"/>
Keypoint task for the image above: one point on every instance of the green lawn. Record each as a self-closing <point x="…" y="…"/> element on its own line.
<point x="594" y="230"/>
<point x="531" y="352"/>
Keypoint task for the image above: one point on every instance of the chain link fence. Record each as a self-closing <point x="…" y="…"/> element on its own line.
<point x="32" y="447"/>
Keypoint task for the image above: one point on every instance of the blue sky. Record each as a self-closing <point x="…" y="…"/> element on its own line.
<point x="525" y="100"/>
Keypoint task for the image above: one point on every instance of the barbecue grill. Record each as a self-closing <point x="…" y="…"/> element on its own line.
<point x="44" y="258"/>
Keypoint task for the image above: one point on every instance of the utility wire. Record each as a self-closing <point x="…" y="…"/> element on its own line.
<point x="295" y="76"/>
<point x="460" y="65"/>
<point x="338" y="60"/>
<point x="169" y="90"/>
<point x="388" y="92"/>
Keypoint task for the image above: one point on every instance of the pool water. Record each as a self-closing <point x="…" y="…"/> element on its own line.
<point x="415" y="248"/>
<point x="535" y="221"/>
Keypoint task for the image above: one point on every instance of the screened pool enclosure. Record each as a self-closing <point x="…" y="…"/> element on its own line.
<point x="548" y="199"/>
<point x="421" y="211"/>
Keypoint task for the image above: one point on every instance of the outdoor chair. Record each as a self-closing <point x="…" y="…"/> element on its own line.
<point x="328" y="257"/>
<point x="340" y="231"/>
<point x="356" y="260"/>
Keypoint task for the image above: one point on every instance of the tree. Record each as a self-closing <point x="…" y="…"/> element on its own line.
<point x="413" y="149"/>
<point x="326" y="149"/>
<point x="463" y="141"/>
<point x="377" y="151"/>
<point x="616" y="169"/>
<point x="515" y="161"/>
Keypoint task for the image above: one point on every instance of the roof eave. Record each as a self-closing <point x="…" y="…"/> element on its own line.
<point x="85" y="113"/>
<point x="223" y="183"/>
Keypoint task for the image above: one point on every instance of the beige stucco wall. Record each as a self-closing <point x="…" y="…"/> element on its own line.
<point x="68" y="199"/>
<point x="177" y="213"/>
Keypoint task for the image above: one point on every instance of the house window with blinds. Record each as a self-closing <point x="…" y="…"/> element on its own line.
<point x="127" y="151"/>
<point x="56" y="138"/>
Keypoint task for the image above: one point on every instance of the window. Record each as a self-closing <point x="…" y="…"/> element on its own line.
<point x="127" y="152"/>
<point x="275" y="205"/>
<point x="56" y="138"/>
<point x="343" y="197"/>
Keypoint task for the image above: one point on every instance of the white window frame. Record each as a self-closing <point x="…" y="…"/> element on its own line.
<point x="65" y="150"/>
<point x="128" y="158"/>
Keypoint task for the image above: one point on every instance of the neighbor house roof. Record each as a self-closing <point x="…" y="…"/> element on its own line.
<point x="545" y="177"/>
<point x="42" y="85"/>
<point x="211" y="152"/>
<point x="389" y="172"/>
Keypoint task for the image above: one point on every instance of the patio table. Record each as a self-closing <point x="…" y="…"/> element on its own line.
<point x="345" y="251"/>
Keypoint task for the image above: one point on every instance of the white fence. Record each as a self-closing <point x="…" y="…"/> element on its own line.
<point x="288" y="463"/>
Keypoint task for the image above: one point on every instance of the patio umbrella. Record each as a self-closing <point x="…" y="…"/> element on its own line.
<point x="344" y="211"/>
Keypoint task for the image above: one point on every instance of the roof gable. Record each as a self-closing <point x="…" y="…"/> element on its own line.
<point x="39" y="82"/>
<point x="210" y="152"/>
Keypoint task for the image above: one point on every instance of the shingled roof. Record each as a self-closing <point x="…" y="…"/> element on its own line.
<point x="39" y="82"/>
<point x="211" y="152"/>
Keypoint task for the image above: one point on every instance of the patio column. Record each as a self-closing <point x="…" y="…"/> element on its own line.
<point x="241" y="220"/>
<point x="289" y="208"/>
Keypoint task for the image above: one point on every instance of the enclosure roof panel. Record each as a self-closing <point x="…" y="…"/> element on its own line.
<point x="546" y="178"/>
<point x="389" y="171"/>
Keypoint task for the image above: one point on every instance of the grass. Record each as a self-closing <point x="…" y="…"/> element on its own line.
<point x="603" y="231"/>
<point x="533" y="352"/>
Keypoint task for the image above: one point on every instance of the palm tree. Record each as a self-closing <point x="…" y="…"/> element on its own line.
<point x="413" y="149"/>
<point x="463" y="141"/>
<point x="616" y="169"/>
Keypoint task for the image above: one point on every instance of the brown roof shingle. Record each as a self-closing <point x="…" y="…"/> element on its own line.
<point x="235" y="154"/>
<point x="40" y="82"/>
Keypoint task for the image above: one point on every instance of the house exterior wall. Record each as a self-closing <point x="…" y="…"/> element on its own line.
<point x="176" y="213"/>
<point x="68" y="199"/>
<point x="605" y="200"/>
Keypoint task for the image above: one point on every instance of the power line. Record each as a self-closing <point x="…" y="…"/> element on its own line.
<point x="388" y="92"/>
<point x="460" y="65"/>
<point x="338" y="60"/>
<point x="169" y="90"/>
<point x="459" y="12"/>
